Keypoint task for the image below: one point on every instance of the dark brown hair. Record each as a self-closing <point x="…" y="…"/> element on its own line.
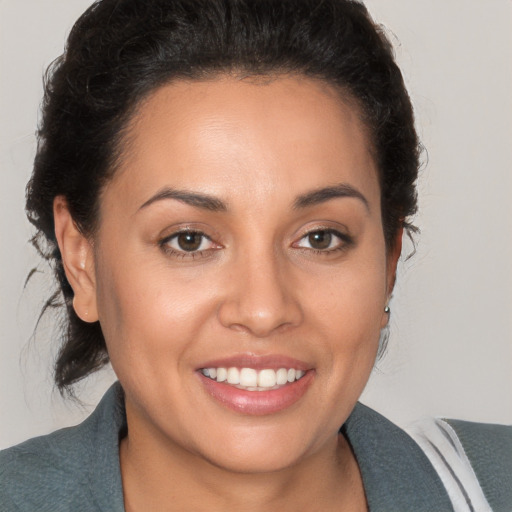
<point x="121" y="50"/>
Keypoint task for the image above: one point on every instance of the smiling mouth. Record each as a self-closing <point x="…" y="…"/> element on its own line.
<point x="250" y="379"/>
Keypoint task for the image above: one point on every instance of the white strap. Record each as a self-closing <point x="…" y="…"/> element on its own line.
<point x="444" y="450"/>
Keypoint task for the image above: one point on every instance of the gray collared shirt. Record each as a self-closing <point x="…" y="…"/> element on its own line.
<point x="77" y="468"/>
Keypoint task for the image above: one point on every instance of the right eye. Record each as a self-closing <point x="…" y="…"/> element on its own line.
<point x="187" y="243"/>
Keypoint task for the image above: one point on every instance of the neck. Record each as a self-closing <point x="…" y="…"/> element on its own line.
<point x="160" y="476"/>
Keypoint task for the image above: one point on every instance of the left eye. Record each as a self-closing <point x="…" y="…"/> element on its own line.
<point x="321" y="240"/>
<point x="189" y="241"/>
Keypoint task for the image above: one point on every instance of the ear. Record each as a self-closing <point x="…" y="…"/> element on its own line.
<point x="77" y="259"/>
<point x="392" y="261"/>
<point x="391" y="264"/>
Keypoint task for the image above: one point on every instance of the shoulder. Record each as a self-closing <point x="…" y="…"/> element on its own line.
<point x="75" y="468"/>
<point x="42" y="469"/>
<point x="489" y="450"/>
<point x="474" y="461"/>
<point x="397" y="475"/>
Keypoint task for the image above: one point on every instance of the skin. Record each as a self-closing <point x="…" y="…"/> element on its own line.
<point x="259" y="287"/>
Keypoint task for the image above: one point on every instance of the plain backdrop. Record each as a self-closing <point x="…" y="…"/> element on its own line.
<point x="450" y="351"/>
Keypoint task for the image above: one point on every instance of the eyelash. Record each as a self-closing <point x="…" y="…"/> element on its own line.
<point x="164" y="245"/>
<point x="345" y="241"/>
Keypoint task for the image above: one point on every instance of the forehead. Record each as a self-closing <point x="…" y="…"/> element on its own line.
<point x="232" y="137"/>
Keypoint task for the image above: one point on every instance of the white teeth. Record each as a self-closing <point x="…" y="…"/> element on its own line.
<point x="222" y="374"/>
<point x="254" y="380"/>
<point x="281" y="376"/>
<point x="233" y="376"/>
<point x="248" y="377"/>
<point x="267" y="378"/>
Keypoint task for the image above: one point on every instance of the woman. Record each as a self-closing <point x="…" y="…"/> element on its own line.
<point x="222" y="187"/>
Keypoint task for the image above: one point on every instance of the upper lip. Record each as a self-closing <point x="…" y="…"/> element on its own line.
<point x="258" y="362"/>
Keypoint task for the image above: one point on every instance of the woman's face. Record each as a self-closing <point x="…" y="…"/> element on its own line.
<point x="242" y="235"/>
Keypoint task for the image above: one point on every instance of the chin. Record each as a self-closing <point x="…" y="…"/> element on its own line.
<point x="251" y="461"/>
<point x="260" y="450"/>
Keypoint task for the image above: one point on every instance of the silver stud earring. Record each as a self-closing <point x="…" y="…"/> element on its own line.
<point x="387" y="310"/>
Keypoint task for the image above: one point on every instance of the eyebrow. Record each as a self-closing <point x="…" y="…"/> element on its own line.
<point x="324" y="194"/>
<point x="203" y="201"/>
<point x="214" y="204"/>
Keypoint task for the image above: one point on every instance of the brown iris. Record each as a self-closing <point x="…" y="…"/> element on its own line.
<point x="189" y="241"/>
<point x="320" y="240"/>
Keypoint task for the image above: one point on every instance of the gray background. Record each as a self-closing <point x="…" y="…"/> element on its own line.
<point x="451" y="344"/>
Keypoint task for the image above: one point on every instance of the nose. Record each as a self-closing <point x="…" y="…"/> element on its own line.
<point x="260" y="298"/>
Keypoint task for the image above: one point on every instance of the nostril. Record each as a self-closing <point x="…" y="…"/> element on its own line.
<point x="259" y="300"/>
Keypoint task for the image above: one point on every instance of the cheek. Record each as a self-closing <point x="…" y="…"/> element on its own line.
<point x="147" y="312"/>
<point x="347" y="313"/>
<point x="350" y="298"/>
<point x="134" y="308"/>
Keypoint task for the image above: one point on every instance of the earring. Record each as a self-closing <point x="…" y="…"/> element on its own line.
<point x="387" y="310"/>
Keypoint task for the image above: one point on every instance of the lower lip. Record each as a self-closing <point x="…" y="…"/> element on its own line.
<point x="257" y="403"/>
